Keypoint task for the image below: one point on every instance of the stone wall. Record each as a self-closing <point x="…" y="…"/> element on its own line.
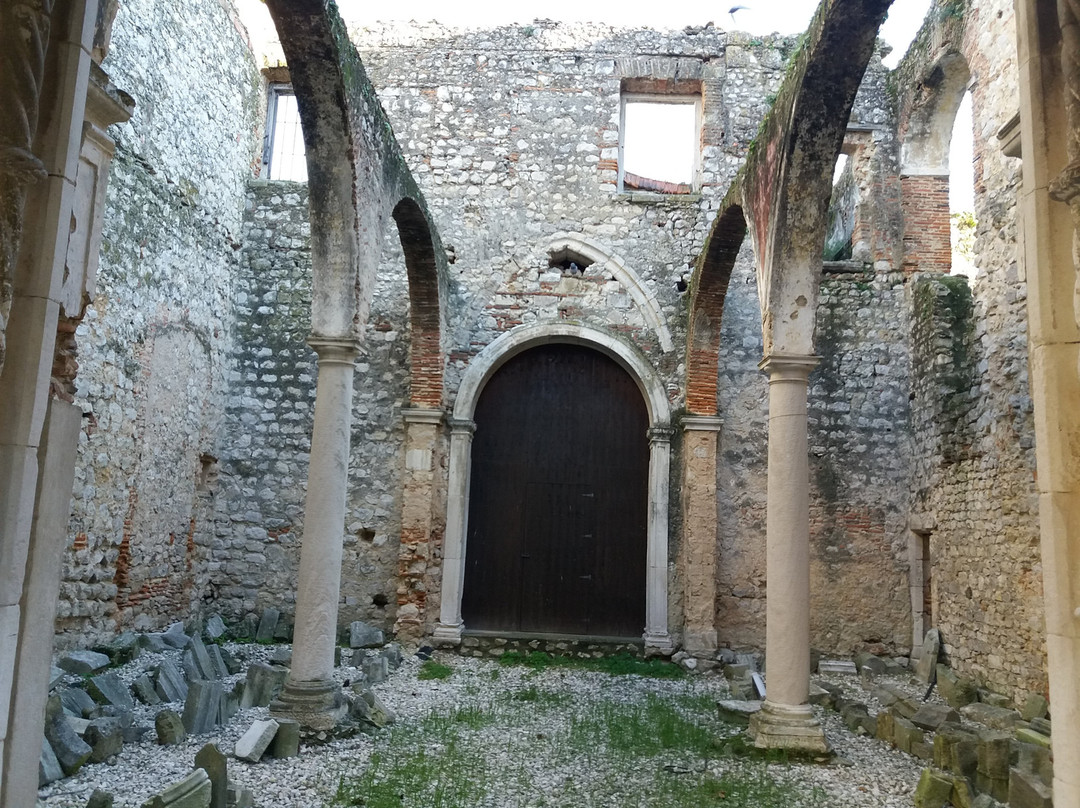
<point x="154" y="345"/>
<point x="973" y="488"/>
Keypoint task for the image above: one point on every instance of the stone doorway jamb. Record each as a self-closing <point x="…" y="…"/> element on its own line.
<point x="310" y="694"/>
<point x="786" y="720"/>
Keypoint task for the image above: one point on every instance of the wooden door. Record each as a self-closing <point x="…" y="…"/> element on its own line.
<point x="559" y="498"/>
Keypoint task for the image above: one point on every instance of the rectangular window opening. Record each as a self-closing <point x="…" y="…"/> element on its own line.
<point x="283" y="156"/>
<point x="660" y="144"/>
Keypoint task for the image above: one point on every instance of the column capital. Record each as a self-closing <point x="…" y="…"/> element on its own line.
<point x="788" y="367"/>
<point x="462" y="426"/>
<point x="334" y="350"/>
<point x="421" y="415"/>
<point x="702" y="423"/>
<point x="661" y="433"/>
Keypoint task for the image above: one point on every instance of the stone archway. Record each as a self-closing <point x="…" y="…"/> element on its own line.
<point x="450" y="626"/>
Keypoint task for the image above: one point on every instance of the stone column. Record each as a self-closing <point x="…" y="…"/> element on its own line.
<point x="419" y="535"/>
<point x="697" y="565"/>
<point x="448" y="629"/>
<point x="786" y="720"/>
<point x="310" y="695"/>
<point x="657" y="638"/>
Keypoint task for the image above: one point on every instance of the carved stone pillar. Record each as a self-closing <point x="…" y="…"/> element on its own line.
<point x="310" y="695"/>
<point x="448" y="630"/>
<point x="697" y="559"/>
<point x="420" y="536"/>
<point x="786" y="720"/>
<point x="657" y="636"/>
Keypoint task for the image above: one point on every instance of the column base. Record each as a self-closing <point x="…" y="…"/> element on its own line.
<point x="658" y="645"/>
<point x="444" y="634"/>
<point x="700" y="643"/>
<point x="318" y="705"/>
<point x="785" y="726"/>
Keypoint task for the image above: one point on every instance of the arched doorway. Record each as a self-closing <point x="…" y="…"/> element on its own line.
<point x="558" y="508"/>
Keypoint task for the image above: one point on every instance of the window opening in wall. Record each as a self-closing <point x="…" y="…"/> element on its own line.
<point x="661" y="143"/>
<point x="838" y="169"/>
<point x="962" y="191"/>
<point x="568" y="262"/>
<point x="283" y="154"/>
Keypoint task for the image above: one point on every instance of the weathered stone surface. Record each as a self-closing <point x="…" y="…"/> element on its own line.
<point x="170" y="728"/>
<point x="956" y="751"/>
<point x="203" y="665"/>
<point x="1041" y="725"/>
<point x="191" y="792"/>
<point x="905" y="734"/>
<point x="267" y="625"/>
<point x="256" y="740"/>
<point x="49" y="769"/>
<point x="1035" y="706"/>
<point x="363" y="635"/>
<point x="1025" y="735"/>
<point x="215" y="627"/>
<point x="926" y="669"/>
<point x="989" y="716"/>
<point x="153" y="643"/>
<point x="143" y="688"/>
<point x="375" y="669"/>
<point x="83" y="662"/>
<point x="100" y="799"/>
<point x="833" y="666"/>
<point x="956" y="690"/>
<point x="263" y="684"/>
<point x="77" y="702"/>
<point x="71" y="751"/>
<point x="864" y="660"/>
<point x="174" y="636"/>
<point x="931" y="716"/>
<point x="286" y="741"/>
<point x="169" y="683"/>
<point x="934" y="789"/>
<point x="240" y="797"/>
<point x="392" y="652"/>
<point x="213" y="762"/>
<point x="737" y="711"/>
<point x="105" y="737"/>
<point x="202" y="708"/>
<point x="1026" y="790"/>
<point x="108" y="688"/>
<point x="217" y="662"/>
<point x="995" y="750"/>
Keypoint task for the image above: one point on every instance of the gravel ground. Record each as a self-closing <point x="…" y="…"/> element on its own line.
<point x="865" y="774"/>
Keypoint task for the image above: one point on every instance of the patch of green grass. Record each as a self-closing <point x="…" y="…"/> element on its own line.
<point x="617" y="664"/>
<point x="535" y="695"/>
<point x="642" y="730"/>
<point x="434" y="670"/>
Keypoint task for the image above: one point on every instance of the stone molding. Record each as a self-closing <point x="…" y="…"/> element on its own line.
<point x="334" y="351"/>
<point x="420" y="415"/>
<point x="782" y="367"/>
<point x="644" y="298"/>
<point x="702" y="423"/>
<point x="661" y="434"/>
<point x="461" y="427"/>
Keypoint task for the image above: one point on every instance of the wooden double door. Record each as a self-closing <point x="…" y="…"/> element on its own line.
<point x="559" y="498"/>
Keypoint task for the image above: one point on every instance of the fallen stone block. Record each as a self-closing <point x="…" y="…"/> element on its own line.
<point x="1041" y="725"/>
<point x="926" y="667"/>
<point x="143" y="688"/>
<point x="281" y="656"/>
<point x="215" y="627"/>
<point x="886" y="725"/>
<point x="202" y="708"/>
<point x="230" y="703"/>
<point x="82" y="663"/>
<point x="283" y="630"/>
<point x="934" y="789"/>
<point x="990" y="716"/>
<point x="380" y="714"/>
<point x="956" y="751"/>
<point x="286" y="741"/>
<point x="213" y="762"/>
<point x="77" y="702"/>
<point x="240" y="797"/>
<point x="232" y="664"/>
<point x="864" y="660"/>
<point x="1024" y="735"/>
<point x="203" y="663"/>
<point x="135" y="733"/>
<point x="852" y="715"/>
<point x="995" y="754"/>
<point x="170" y="728"/>
<point x="923" y="751"/>
<point x="49" y="769"/>
<point x="108" y="688"/>
<point x="153" y="643"/>
<point x="263" y="684"/>
<point x="247" y="628"/>
<point x="819" y="696"/>
<point x="100" y="799"/>
<point x="737" y="711"/>
<point x="905" y="734"/>
<point x="931" y="716"/>
<point x="363" y="635"/>
<point x="71" y="750"/>
<point x="957" y="691"/>
<point x="123" y="648"/>
<point x="256" y="740"/>
<point x="394" y="657"/>
<point x="1035" y="706"/>
<point x="267" y="625"/>
<point x="376" y="669"/>
<point x="995" y="699"/>
<point x="837" y="666"/>
<point x="191" y="792"/>
<point x="217" y="662"/>
<point x="169" y="683"/>
<point x="105" y="737"/>
<point x="1026" y="790"/>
